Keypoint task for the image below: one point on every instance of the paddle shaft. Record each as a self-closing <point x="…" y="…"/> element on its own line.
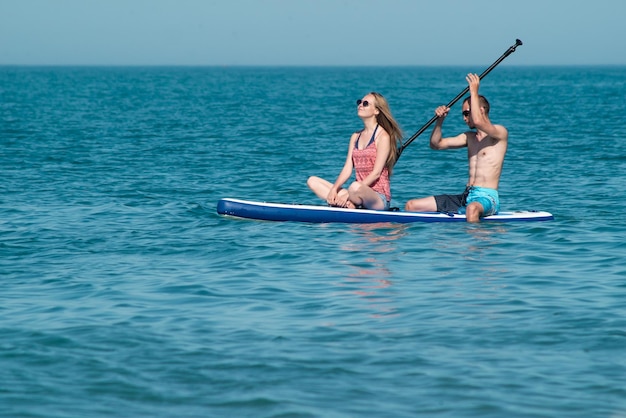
<point x="461" y="94"/>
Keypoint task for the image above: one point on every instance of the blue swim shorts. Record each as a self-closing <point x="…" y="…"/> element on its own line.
<point x="488" y="198"/>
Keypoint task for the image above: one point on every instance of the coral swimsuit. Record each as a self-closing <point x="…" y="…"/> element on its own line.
<point x="364" y="160"/>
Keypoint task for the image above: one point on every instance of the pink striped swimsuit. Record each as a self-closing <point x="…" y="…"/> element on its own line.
<point x="364" y="160"/>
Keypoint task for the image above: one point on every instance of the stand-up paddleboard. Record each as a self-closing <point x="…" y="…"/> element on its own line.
<point x="325" y="214"/>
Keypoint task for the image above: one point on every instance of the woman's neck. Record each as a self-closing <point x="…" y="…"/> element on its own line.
<point x="370" y="123"/>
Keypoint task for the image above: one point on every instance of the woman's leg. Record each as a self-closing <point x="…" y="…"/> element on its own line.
<point x="322" y="187"/>
<point x="362" y="195"/>
<point x="319" y="186"/>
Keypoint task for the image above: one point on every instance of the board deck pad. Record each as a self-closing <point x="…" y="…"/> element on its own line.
<point x="284" y="212"/>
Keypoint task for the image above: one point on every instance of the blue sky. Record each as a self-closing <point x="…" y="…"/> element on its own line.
<point x="310" y="32"/>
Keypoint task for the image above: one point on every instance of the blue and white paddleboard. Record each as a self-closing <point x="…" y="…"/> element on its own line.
<point x="324" y="214"/>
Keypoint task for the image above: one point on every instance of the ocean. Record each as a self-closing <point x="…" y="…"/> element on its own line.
<point x="123" y="292"/>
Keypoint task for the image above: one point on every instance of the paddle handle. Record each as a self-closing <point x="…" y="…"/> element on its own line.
<point x="461" y="94"/>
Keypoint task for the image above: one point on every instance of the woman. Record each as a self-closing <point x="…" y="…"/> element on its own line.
<point x="372" y="153"/>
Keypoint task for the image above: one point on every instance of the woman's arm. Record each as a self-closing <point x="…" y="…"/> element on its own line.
<point x="345" y="173"/>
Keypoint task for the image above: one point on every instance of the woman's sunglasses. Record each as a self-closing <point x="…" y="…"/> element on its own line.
<point x="365" y="103"/>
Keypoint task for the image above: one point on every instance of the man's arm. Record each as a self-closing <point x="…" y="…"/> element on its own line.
<point x="436" y="137"/>
<point x="479" y="118"/>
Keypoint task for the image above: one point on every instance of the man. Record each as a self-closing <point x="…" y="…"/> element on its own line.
<point x="485" y="151"/>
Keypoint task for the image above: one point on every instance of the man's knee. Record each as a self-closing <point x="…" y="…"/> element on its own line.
<point x="473" y="212"/>
<point x="424" y="204"/>
<point x="412" y="205"/>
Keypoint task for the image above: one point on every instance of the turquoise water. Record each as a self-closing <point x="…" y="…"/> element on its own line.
<point x="123" y="293"/>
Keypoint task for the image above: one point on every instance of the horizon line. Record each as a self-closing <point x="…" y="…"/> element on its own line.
<point x="302" y="65"/>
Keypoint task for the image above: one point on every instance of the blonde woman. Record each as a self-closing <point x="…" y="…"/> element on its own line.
<point x="372" y="153"/>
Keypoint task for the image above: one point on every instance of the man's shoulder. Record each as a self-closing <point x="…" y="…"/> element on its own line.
<point x="503" y="133"/>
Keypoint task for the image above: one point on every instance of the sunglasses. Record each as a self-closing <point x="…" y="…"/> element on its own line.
<point x="365" y="103"/>
<point x="466" y="113"/>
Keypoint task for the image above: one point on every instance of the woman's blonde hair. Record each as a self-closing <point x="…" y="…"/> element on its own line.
<point x="386" y="120"/>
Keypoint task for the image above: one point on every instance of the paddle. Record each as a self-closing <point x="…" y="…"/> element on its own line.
<point x="461" y="94"/>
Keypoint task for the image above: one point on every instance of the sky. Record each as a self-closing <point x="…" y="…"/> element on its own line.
<point x="311" y="32"/>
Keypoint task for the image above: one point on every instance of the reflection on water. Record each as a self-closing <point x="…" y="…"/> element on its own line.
<point x="478" y="276"/>
<point x="482" y="240"/>
<point x="462" y="262"/>
<point x="380" y="232"/>
<point x="371" y="278"/>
